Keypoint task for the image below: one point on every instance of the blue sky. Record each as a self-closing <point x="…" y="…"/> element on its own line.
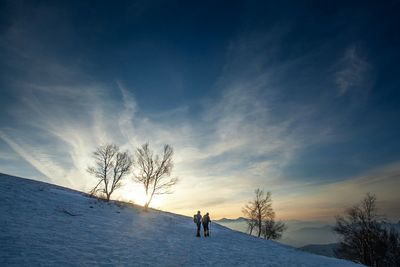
<point x="299" y="98"/>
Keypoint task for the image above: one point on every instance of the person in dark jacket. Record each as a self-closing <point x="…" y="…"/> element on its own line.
<point x="197" y="220"/>
<point x="206" y="221"/>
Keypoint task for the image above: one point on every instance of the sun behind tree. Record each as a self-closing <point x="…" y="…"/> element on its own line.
<point x="154" y="171"/>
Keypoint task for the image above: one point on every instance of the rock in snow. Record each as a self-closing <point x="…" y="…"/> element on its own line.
<point x="47" y="225"/>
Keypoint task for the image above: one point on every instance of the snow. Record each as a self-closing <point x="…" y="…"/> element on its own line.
<point x="44" y="224"/>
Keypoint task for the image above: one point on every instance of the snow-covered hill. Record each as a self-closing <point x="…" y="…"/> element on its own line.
<point x="47" y="225"/>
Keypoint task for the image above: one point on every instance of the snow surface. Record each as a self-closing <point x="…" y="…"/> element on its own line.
<point x="47" y="225"/>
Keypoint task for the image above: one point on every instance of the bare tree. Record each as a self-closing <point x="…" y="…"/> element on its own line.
<point x="260" y="215"/>
<point x="251" y="218"/>
<point x="111" y="166"/>
<point x="365" y="238"/>
<point x="155" y="171"/>
<point x="272" y="229"/>
<point x="259" y="209"/>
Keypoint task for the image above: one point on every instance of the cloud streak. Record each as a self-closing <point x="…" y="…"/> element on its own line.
<point x="354" y="69"/>
<point x="233" y="146"/>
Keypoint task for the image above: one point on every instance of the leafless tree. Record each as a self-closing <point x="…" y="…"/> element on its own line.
<point x="273" y="229"/>
<point x="154" y="171"/>
<point x="365" y="238"/>
<point x="111" y="166"/>
<point x="260" y="215"/>
<point x="259" y="209"/>
<point x="251" y="218"/>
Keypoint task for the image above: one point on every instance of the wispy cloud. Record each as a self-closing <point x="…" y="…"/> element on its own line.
<point x="242" y="137"/>
<point x="235" y="144"/>
<point x="352" y="72"/>
<point x="39" y="159"/>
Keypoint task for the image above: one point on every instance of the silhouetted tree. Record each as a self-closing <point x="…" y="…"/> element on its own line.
<point x="251" y="219"/>
<point x="259" y="214"/>
<point x="111" y="166"/>
<point x="259" y="209"/>
<point x="365" y="238"/>
<point x="272" y="229"/>
<point x="155" y="171"/>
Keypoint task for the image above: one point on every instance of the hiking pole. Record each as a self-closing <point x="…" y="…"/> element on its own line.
<point x="209" y="230"/>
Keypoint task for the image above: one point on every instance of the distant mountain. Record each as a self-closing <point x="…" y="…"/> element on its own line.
<point x="329" y="249"/>
<point x="298" y="234"/>
<point x="226" y="220"/>
<point x="393" y="225"/>
<point x="299" y="237"/>
<point x="324" y="250"/>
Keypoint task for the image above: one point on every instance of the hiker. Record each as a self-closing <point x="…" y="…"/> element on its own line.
<point x="197" y="220"/>
<point x="206" y="221"/>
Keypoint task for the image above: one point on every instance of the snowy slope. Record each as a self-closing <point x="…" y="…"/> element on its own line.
<point x="43" y="224"/>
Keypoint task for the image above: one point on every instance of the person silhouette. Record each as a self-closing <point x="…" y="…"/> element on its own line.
<point x="197" y="219"/>
<point x="206" y="220"/>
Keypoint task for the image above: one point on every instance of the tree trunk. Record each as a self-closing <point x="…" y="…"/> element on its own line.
<point x="146" y="206"/>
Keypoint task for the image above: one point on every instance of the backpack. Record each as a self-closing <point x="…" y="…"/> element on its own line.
<point x="195" y="218"/>
<point x="206" y="219"/>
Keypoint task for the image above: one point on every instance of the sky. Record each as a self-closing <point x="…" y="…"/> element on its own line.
<point x="300" y="98"/>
